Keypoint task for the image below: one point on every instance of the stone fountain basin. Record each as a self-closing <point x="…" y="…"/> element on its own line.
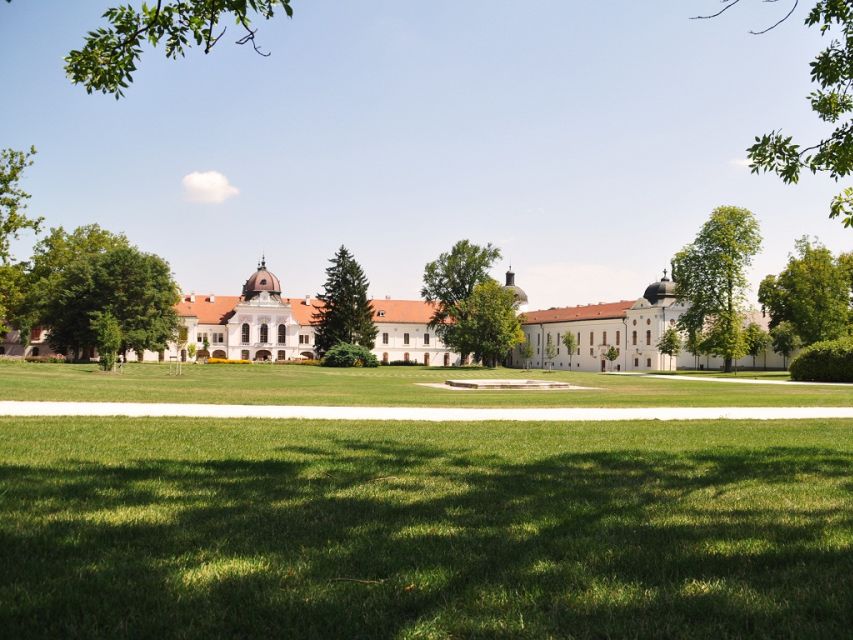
<point x="507" y="384"/>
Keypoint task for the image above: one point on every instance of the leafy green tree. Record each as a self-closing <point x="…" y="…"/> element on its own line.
<point x="110" y="54"/>
<point x="449" y="281"/>
<point x="712" y="279"/>
<point x="346" y="314"/>
<point x="107" y="334"/>
<point x="52" y="258"/>
<point x="611" y="354"/>
<point x="693" y="345"/>
<point x="344" y="354"/>
<point x="13" y="220"/>
<point x="757" y="340"/>
<point x="571" y="343"/>
<point x="488" y="322"/>
<point x="831" y="101"/>
<point x="785" y="340"/>
<point x="812" y="293"/>
<point x="670" y="344"/>
<point x="134" y="287"/>
<point x="550" y="349"/>
<point x="525" y="350"/>
<point x="191" y="350"/>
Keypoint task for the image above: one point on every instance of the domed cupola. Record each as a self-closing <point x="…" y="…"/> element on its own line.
<point x="659" y="291"/>
<point x="520" y="296"/>
<point x="260" y="281"/>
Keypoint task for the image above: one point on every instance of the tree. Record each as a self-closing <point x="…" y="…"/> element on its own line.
<point x="13" y="220"/>
<point x="693" y="344"/>
<point x="757" y="340"/>
<point x="785" y="340"/>
<point x="832" y="102"/>
<point x="550" y="350"/>
<point x="346" y="314"/>
<point x="110" y="54"/>
<point x="570" y="342"/>
<point x="812" y="293"/>
<point x="488" y="323"/>
<point x="525" y="350"/>
<point x="450" y="280"/>
<point x="134" y="287"/>
<point x="107" y="333"/>
<point x="53" y="256"/>
<point x="712" y="278"/>
<point x="610" y="355"/>
<point x="191" y="350"/>
<point x="670" y="344"/>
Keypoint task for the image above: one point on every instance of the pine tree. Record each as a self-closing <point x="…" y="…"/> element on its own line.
<point x="346" y="314"/>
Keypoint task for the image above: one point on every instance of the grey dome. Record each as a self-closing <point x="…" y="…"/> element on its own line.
<point x="520" y="296"/>
<point x="661" y="290"/>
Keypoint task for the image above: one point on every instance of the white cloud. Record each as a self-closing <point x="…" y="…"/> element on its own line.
<point x="740" y="162"/>
<point x="208" y="186"/>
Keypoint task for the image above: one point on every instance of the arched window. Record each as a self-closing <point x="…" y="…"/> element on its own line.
<point x="385" y="358"/>
<point x="282" y="334"/>
<point x="245" y="333"/>
<point x="265" y="333"/>
<point x="406" y="357"/>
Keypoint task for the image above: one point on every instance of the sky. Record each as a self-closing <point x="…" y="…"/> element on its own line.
<point x="588" y="141"/>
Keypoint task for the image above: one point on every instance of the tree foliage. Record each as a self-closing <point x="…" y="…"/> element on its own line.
<point x="450" y="280"/>
<point x="346" y="314"/>
<point x="611" y="354"/>
<point x="670" y="343"/>
<point x="107" y="334"/>
<point x="109" y="55"/>
<point x="550" y="348"/>
<point x="757" y="340"/>
<point x="812" y="293"/>
<point x="487" y="323"/>
<point x="712" y="279"/>
<point x="785" y="340"/>
<point x="525" y="350"/>
<point x="571" y="344"/>
<point x="831" y="101"/>
<point x="136" y="288"/>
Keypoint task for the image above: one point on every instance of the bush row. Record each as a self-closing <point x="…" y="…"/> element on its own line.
<point x="227" y="361"/>
<point x="402" y="363"/>
<point x="828" y="361"/>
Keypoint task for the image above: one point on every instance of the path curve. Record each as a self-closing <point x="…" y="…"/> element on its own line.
<point x="420" y="414"/>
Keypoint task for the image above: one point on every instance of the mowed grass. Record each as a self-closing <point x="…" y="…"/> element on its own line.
<point x="153" y="528"/>
<point x="387" y="386"/>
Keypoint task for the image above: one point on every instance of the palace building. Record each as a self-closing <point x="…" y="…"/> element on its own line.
<point x="261" y="324"/>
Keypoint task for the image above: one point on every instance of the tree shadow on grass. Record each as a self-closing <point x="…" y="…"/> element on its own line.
<point x="358" y="539"/>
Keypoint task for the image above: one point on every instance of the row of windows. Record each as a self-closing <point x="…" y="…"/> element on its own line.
<point x="406" y="339"/>
<point x="215" y="338"/>
<point x="264" y="334"/>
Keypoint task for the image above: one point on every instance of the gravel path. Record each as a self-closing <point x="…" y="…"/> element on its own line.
<point x="135" y="409"/>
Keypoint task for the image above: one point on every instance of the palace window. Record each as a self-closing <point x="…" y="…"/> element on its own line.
<point x="634" y="338"/>
<point x="426" y="339"/>
<point x="636" y="362"/>
<point x="384" y="338"/>
<point x="618" y="336"/>
<point x="282" y="334"/>
<point x="591" y="338"/>
<point x="281" y="356"/>
<point x="244" y="354"/>
<point x="649" y="363"/>
<point x="648" y="337"/>
<point x="218" y="338"/>
<point x="405" y="338"/>
<point x="245" y="335"/>
<point x="381" y="313"/>
<point x="304" y="338"/>
<point x="604" y="338"/>
<point x="265" y="333"/>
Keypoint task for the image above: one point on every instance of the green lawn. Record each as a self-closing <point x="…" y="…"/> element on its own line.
<point x="390" y="386"/>
<point x="154" y="528"/>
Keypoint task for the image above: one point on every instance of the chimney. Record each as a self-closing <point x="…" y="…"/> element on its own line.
<point x="387" y="297"/>
<point x="192" y="297"/>
<point x="308" y="301"/>
<point x="212" y="298"/>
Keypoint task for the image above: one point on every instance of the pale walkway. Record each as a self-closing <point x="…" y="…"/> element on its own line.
<point x="745" y="380"/>
<point x="135" y="409"/>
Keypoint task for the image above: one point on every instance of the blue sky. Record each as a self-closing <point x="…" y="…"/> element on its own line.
<point x="588" y="141"/>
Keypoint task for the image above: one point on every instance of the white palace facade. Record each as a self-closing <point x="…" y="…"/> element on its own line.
<point x="263" y="325"/>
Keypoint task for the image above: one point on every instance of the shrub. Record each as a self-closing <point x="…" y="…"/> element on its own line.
<point x="827" y="361"/>
<point x="344" y="354"/>
<point x="227" y="361"/>
<point x="309" y="363"/>
<point x="403" y="363"/>
<point x="59" y="358"/>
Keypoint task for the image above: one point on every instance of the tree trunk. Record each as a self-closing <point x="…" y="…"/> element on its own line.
<point x="728" y="365"/>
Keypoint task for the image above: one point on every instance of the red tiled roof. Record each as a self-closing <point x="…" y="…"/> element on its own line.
<point x="207" y="312"/>
<point x="219" y="311"/>
<point x="602" y="311"/>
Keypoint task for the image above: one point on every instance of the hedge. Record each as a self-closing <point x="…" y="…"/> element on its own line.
<point x="828" y="361"/>
<point x="227" y="361"/>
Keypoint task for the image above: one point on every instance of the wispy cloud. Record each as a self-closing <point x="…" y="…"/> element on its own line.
<point x="208" y="186"/>
<point x="742" y="163"/>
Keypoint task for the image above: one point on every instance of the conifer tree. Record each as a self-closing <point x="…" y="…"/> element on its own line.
<point x="346" y="314"/>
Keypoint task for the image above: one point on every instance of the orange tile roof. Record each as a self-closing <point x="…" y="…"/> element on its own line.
<point x="219" y="311"/>
<point x="604" y="311"/>
<point x="207" y="312"/>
